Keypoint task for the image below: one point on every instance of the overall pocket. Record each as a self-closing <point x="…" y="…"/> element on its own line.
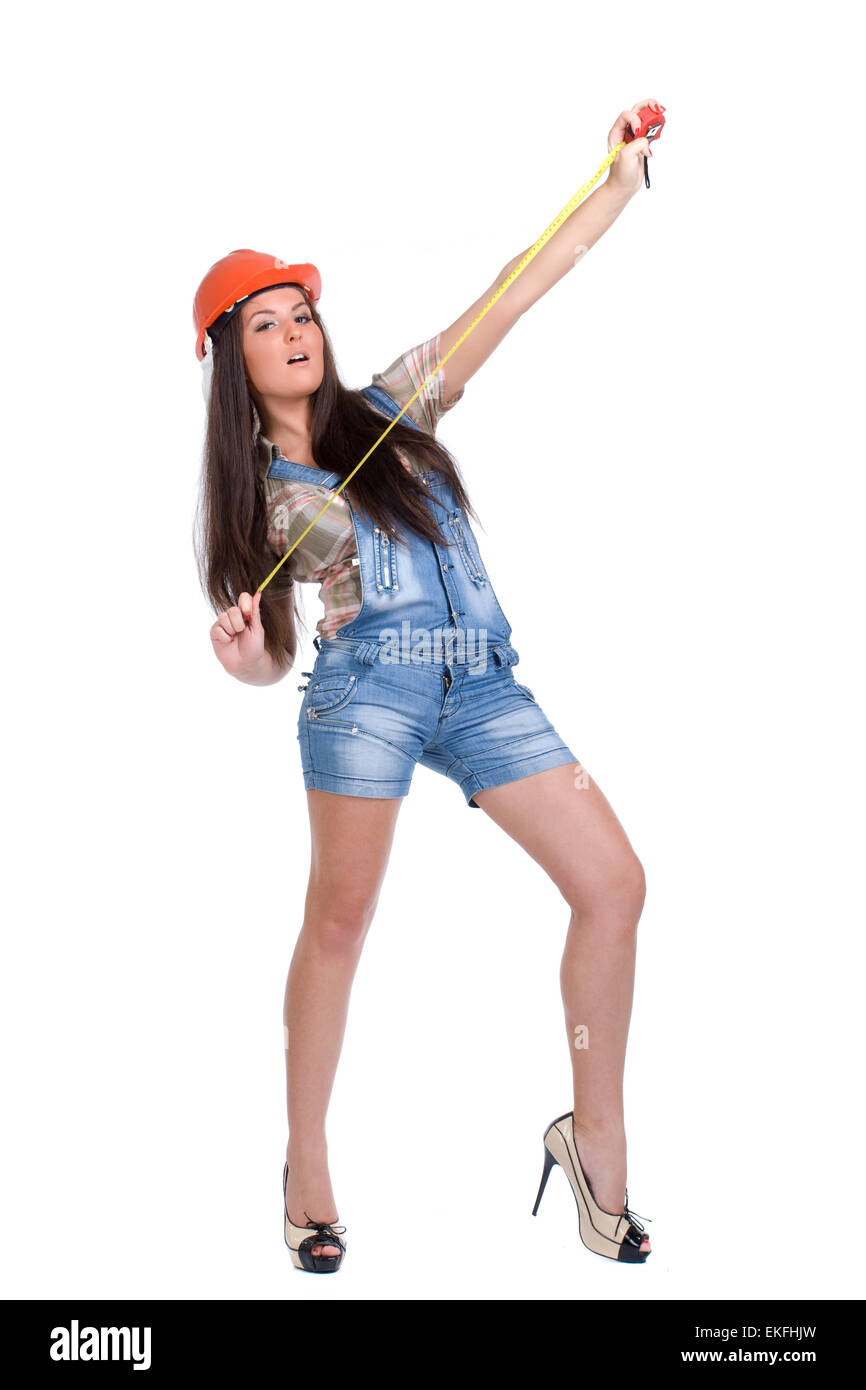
<point x="465" y="542"/>
<point x="329" y="693"/>
<point x="385" y="557"/>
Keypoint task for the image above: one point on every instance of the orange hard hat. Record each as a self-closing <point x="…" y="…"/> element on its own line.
<point x="236" y="277"/>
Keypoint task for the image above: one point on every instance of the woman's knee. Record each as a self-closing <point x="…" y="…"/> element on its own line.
<point x="636" y="883"/>
<point x="339" y="924"/>
<point x="619" y="890"/>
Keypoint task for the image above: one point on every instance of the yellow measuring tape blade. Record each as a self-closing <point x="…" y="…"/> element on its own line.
<point x="533" y="251"/>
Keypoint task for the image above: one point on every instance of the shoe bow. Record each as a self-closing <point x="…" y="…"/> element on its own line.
<point x="325" y="1227"/>
<point x="632" y="1216"/>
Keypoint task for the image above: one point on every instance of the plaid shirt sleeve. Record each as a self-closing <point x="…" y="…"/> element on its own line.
<point x="402" y="379"/>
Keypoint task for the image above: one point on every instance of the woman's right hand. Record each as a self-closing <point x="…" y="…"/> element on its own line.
<point x="238" y="636"/>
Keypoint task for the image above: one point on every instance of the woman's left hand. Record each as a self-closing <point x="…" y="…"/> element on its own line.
<point x="627" y="171"/>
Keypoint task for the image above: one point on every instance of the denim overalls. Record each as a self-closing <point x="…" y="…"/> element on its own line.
<point x="432" y="636"/>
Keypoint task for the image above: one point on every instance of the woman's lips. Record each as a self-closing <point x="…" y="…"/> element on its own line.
<point x="305" y="363"/>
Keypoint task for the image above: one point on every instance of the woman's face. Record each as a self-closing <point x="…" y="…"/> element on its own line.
<point x="276" y="326"/>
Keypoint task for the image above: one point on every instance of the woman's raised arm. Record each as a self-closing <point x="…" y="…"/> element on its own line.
<point x="569" y="244"/>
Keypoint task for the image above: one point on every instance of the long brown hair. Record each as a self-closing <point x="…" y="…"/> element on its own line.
<point x="230" y="527"/>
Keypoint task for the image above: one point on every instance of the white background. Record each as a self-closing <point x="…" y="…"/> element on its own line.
<point x="666" y="454"/>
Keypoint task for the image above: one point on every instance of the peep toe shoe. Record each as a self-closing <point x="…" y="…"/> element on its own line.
<point x="302" y="1240"/>
<point x="616" y="1235"/>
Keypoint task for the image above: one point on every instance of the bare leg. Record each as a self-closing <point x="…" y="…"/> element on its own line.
<point x="351" y="838"/>
<point x="572" y="831"/>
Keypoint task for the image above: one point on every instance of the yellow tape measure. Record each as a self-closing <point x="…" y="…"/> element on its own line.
<point x="533" y="251"/>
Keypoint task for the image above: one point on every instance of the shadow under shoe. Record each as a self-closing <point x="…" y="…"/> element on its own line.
<point x="616" y="1235"/>
<point x="301" y="1242"/>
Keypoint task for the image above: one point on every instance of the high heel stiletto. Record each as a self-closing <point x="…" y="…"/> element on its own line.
<point x="302" y="1244"/>
<point x="617" y="1235"/>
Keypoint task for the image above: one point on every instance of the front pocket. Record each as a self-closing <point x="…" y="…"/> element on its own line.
<point x="329" y="693"/>
<point x="471" y="560"/>
<point x="385" y="556"/>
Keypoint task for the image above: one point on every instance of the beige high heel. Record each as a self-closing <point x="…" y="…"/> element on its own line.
<point x="301" y="1242"/>
<point x="617" y="1235"/>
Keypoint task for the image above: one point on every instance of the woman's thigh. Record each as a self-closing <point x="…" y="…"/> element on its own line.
<point x="562" y="818"/>
<point x="350" y="845"/>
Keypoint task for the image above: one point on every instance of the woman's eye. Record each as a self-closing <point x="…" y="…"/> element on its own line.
<point x="268" y="322"/>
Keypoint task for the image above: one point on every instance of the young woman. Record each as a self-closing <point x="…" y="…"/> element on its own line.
<point x="414" y="664"/>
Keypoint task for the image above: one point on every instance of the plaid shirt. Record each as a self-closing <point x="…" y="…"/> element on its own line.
<point x="328" y="555"/>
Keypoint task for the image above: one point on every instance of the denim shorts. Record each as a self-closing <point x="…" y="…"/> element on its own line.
<point x="363" y="726"/>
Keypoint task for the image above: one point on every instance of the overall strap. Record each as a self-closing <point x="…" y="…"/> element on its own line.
<point x="376" y="396"/>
